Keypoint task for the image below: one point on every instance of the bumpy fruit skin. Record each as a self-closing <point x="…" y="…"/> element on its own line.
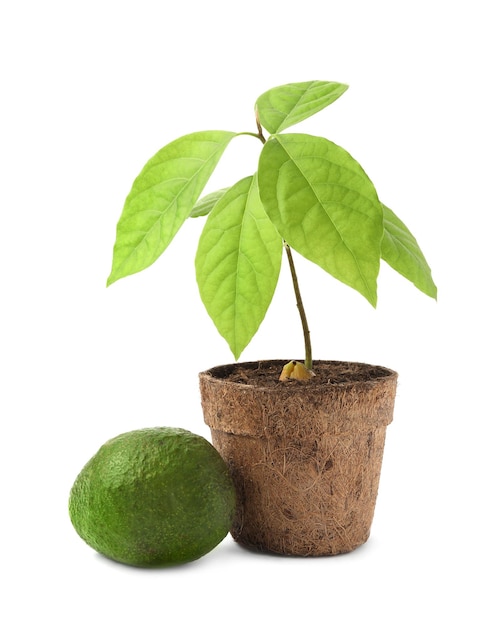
<point x="153" y="497"/>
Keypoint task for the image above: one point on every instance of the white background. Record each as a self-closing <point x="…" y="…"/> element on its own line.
<point x="89" y="92"/>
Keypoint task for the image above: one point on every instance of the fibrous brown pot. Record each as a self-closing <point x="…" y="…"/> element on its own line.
<point x="305" y="455"/>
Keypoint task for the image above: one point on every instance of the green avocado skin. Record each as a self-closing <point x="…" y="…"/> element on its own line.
<point x="153" y="497"/>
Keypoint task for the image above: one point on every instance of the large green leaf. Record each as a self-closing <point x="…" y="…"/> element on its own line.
<point x="162" y="197"/>
<point x="325" y="206"/>
<point x="284" y="106"/>
<point x="237" y="264"/>
<point x="402" y="252"/>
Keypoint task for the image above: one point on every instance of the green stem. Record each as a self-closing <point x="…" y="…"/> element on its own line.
<point x="301" y="310"/>
<point x="256" y="135"/>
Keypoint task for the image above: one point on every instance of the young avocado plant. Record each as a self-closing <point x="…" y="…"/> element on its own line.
<point x="308" y="195"/>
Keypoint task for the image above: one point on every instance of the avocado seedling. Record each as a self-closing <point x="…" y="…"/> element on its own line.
<point x="308" y="195"/>
<point x="304" y="441"/>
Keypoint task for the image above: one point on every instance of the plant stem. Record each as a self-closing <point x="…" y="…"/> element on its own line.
<point x="256" y="135"/>
<point x="306" y="333"/>
<point x="259" y="128"/>
<point x="301" y="310"/>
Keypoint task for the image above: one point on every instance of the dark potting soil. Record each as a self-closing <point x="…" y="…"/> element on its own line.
<point x="266" y="373"/>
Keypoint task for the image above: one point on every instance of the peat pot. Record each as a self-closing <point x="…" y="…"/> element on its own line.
<point x="305" y="455"/>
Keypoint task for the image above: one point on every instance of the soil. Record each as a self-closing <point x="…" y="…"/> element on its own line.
<point x="266" y="373"/>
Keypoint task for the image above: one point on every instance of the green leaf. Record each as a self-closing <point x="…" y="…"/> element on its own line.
<point x="402" y="252"/>
<point x="284" y="106"/>
<point x="206" y="204"/>
<point x="162" y="197"/>
<point x="237" y="264"/>
<point x="325" y="206"/>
